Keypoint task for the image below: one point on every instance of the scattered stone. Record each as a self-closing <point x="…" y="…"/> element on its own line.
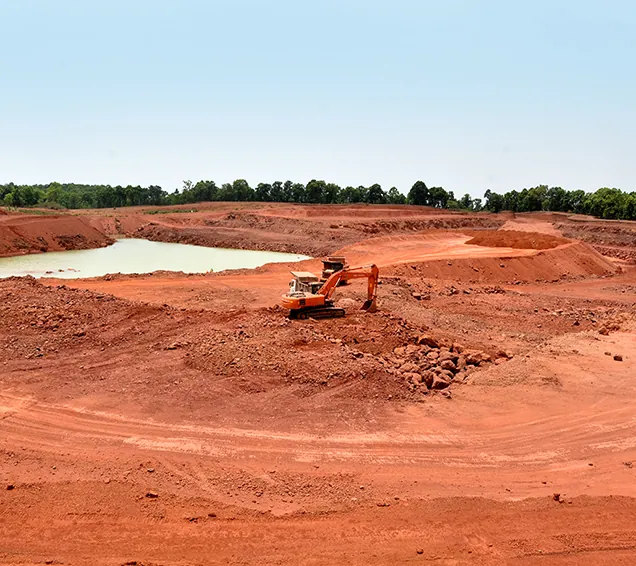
<point x="152" y="495"/>
<point x="476" y="358"/>
<point x="417" y="296"/>
<point x="628" y="464"/>
<point x="556" y="497"/>
<point x="10" y="487"/>
<point x="446" y="354"/>
<point x="409" y="367"/>
<point x="411" y="349"/>
<point x="414" y="378"/>
<point x="604" y="331"/>
<point x="440" y="382"/>
<point x="428" y="340"/>
<point x="447" y="374"/>
<point x="150" y="470"/>
<point x="420" y="551"/>
<point x="448" y="365"/>
<point x="427" y="378"/>
<point x="504" y="354"/>
<point x="618" y="357"/>
<point x="608" y="353"/>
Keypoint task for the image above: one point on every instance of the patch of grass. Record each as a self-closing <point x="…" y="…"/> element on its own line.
<point x="37" y="211"/>
<point x="171" y="211"/>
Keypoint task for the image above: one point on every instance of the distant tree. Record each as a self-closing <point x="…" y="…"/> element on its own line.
<point x="628" y="211"/>
<point x="375" y="195"/>
<point x="607" y="203"/>
<point x="494" y="202"/>
<point x="556" y="200"/>
<point x="331" y="193"/>
<point x="418" y="194"/>
<point x="395" y="197"/>
<point x="298" y="193"/>
<point x="226" y="192"/>
<point x="577" y="201"/>
<point x="315" y="191"/>
<point x="350" y="195"/>
<point x="242" y="190"/>
<point x="466" y="202"/>
<point x="511" y="201"/>
<point x="438" y="197"/>
<point x="54" y="193"/>
<point x="277" y="193"/>
<point x="264" y="192"/>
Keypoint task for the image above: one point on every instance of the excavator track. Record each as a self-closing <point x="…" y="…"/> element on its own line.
<point x="317" y="312"/>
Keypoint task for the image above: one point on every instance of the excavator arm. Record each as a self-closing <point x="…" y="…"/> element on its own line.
<point x="370" y="272"/>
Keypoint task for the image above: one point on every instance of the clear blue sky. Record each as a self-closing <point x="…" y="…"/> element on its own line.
<point x="467" y="94"/>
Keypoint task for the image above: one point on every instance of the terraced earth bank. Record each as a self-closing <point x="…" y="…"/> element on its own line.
<point x="484" y="414"/>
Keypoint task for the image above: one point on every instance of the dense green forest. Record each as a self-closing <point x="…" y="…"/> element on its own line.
<point x="604" y="203"/>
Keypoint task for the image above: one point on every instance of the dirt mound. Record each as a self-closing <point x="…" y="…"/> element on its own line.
<point x="32" y="234"/>
<point x="3" y="212"/>
<point x="516" y="239"/>
<point x="572" y="261"/>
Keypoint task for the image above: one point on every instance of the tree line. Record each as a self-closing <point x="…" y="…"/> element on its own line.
<point x="604" y="203"/>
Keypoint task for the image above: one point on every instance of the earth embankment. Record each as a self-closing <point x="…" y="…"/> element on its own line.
<point x="22" y="234"/>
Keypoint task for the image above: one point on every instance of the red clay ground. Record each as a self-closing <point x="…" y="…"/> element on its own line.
<point x="168" y="419"/>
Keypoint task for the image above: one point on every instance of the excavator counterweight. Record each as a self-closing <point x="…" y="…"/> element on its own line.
<point x="303" y="300"/>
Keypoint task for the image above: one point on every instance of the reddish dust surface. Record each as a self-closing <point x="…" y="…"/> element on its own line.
<point x="521" y="240"/>
<point x="484" y="414"/>
<point x="21" y="234"/>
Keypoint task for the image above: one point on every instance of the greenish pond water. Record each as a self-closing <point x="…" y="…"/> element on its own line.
<point x="132" y="255"/>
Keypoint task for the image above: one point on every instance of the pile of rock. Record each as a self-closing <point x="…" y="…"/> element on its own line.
<point x="429" y="364"/>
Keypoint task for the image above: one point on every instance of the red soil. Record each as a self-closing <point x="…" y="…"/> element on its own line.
<point x="20" y="234"/>
<point x="136" y="410"/>
<point x="517" y="240"/>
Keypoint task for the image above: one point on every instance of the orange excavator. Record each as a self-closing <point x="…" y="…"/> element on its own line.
<point x="308" y="297"/>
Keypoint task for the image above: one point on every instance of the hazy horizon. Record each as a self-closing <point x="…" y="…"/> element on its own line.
<point x="464" y="95"/>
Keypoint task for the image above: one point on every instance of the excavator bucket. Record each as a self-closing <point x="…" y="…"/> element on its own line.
<point x="370" y="306"/>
